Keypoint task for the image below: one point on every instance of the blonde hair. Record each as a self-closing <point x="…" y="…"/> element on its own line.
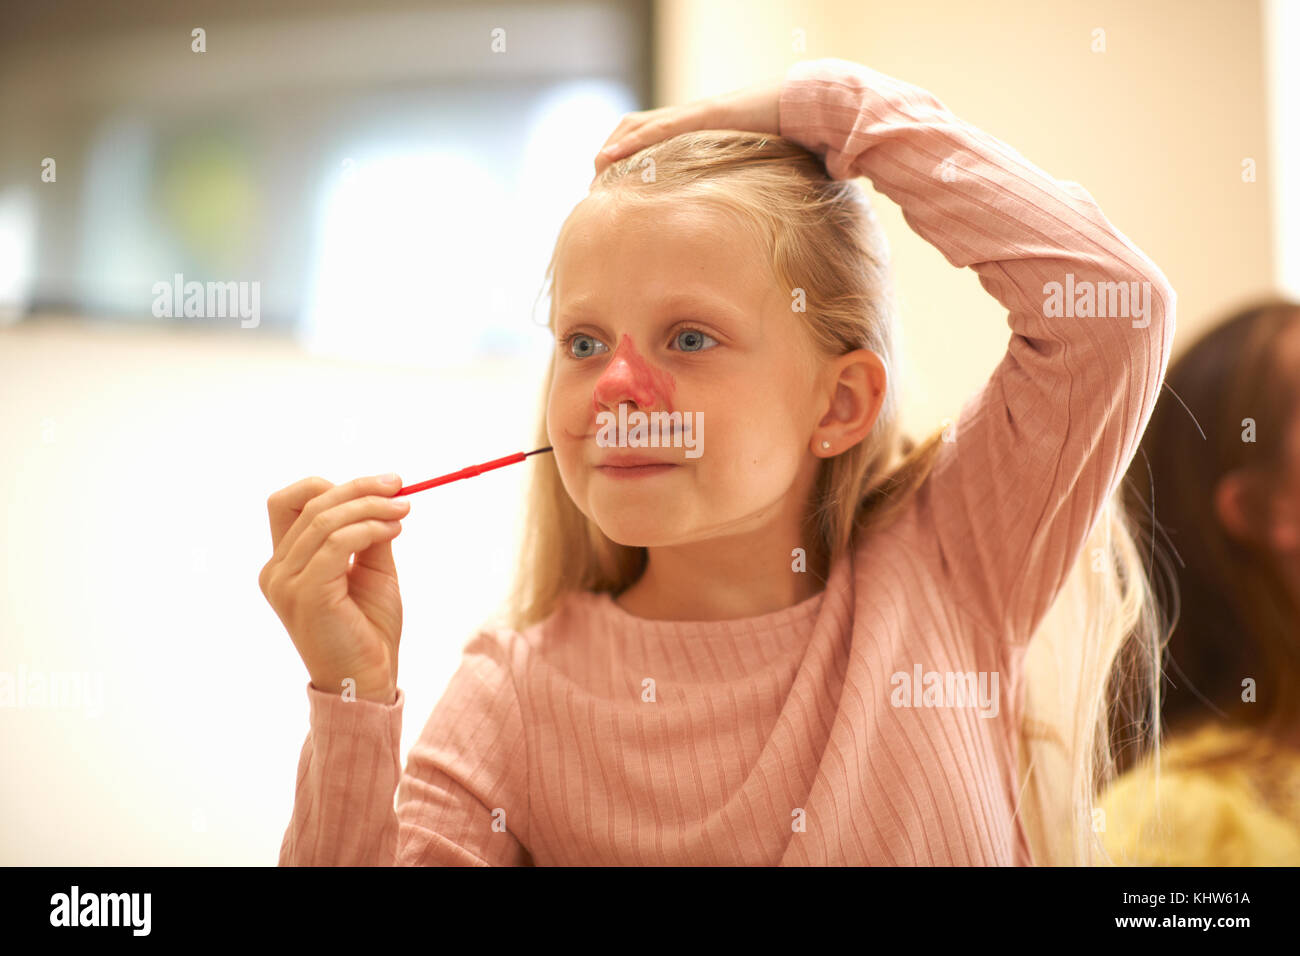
<point x="823" y="238"/>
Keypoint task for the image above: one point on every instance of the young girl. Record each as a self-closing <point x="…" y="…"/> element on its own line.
<point x="797" y="647"/>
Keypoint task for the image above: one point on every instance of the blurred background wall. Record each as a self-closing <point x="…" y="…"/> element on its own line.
<point x="1156" y="128"/>
<point x="392" y="176"/>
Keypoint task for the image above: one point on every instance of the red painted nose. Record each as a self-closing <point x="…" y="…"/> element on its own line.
<point x="629" y="378"/>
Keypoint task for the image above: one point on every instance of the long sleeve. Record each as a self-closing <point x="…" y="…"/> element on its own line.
<point x="1037" y="451"/>
<point x="463" y="793"/>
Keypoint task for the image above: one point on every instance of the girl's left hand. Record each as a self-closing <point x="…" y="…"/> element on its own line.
<point x="753" y="109"/>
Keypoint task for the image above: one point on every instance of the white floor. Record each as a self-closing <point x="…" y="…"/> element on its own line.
<point x="137" y="463"/>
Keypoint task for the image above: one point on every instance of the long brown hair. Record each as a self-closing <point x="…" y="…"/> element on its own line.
<point x="821" y="236"/>
<point x="1234" y="616"/>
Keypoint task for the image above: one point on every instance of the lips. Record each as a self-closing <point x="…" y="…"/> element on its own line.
<point x="631" y="461"/>
<point x="627" y="467"/>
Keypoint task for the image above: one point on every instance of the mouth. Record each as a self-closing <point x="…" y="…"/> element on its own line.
<point x="633" y="466"/>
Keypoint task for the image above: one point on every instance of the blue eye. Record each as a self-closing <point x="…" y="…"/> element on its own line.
<point x="582" y="346"/>
<point x="692" y="340"/>
<point x="579" y="345"/>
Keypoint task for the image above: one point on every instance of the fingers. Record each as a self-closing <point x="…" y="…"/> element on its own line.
<point x="318" y="527"/>
<point x="330" y="560"/>
<point x="621" y="142"/>
<point x="378" y="557"/>
<point x="629" y="122"/>
<point x="310" y="497"/>
<point x="638" y="130"/>
<point x="284" y="506"/>
<point x="756" y="109"/>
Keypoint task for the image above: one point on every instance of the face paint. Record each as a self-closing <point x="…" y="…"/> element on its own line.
<point x="629" y="376"/>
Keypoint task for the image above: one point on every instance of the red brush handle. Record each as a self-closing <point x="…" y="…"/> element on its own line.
<point x="469" y="472"/>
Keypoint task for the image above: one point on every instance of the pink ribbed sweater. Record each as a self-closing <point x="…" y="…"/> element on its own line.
<point x="778" y="739"/>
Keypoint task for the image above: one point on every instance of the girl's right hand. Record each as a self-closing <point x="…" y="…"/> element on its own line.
<point x="755" y="109"/>
<point x="345" y="620"/>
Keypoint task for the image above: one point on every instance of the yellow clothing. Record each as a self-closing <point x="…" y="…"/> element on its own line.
<point x="1241" y="812"/>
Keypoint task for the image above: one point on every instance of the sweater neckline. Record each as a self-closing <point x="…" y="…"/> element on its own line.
<point x="796" y="619"/>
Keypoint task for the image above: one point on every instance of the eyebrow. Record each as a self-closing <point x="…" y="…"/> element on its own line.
<point x="581" y="307"/>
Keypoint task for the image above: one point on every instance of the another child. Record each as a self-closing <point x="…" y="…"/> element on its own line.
<point x="1217" y="489"/>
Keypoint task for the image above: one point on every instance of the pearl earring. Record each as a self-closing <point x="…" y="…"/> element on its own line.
<point x="826" y="444"/>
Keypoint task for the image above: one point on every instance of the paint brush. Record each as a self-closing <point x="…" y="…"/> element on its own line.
<point x="470" y="472"/>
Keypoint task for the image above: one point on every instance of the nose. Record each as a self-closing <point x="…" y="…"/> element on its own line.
<point x="630" y="378"/>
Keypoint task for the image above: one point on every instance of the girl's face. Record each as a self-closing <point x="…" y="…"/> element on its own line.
<point x="672" y="308"/>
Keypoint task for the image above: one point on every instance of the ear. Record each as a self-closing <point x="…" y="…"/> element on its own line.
<point x="857" y="392"/>
<point x="1229" y="507"/>
<point x="1248" y="516"/>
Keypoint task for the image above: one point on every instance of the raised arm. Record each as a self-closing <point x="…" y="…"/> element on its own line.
<point x="1041" y="446"/>
<point x="461" y="800"/>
